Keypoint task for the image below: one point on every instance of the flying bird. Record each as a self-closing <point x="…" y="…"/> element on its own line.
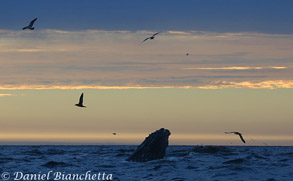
<point x="237" y="133"/>
<point x="114" y="133"/>
<point x="151" y="37"/>
<point x="80" y="104"/>
<point x="30" y="26"/>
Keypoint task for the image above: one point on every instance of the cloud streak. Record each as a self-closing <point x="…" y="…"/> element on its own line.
<point x="3" y="95"/>
<point x="272" y="84"/>
<point x="235" y="68"/>
<point x="99" y="59"/>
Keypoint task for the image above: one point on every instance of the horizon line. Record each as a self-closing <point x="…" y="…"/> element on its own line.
<point x="137" y="138"/>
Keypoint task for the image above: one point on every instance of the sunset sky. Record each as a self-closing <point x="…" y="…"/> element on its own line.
<point x="237" y="77"/>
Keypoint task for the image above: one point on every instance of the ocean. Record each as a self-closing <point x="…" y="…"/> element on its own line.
<point x="265" y="163"/>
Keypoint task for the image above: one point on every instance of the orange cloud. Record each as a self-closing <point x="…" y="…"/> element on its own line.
<point x="270" y="84"/>
<point x="40" y="87"/>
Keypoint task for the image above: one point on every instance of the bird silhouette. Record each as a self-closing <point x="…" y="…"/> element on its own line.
<point x="151" y="37"/>
<point x="80" y="104"/>
<point x="237" y="133"/>
<point x="30" y="26"/>
<point x="114" y="133"/>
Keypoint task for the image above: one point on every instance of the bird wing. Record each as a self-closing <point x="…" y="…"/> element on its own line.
<point x="145" y="39"/>
<point x="242" y="138"/>
<point x="81" y="99"/>
<point x="32" y="22"/>
<point x="25" y="28"/>
<point x="156" y="33"/>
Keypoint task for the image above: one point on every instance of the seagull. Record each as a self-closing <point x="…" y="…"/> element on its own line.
<point x="30" y="26"/>
<point x="114" y="133"/>
<point x="151" y="37"/>
<point x="80" y="101"/>
<point x="237" y="133"/>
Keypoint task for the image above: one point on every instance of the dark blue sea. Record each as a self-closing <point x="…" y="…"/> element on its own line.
<point x="266" y="163"/>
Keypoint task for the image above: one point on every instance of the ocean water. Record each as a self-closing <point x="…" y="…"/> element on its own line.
<point x="267" y="163"/>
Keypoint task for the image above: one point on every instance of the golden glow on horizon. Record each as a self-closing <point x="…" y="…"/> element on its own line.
<point x="272" y="84"/>
<point x="131" y="138"/>
<point x="193" y="116"/>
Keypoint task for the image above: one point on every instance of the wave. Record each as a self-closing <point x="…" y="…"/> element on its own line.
<point x="107" y="166"/>
<point x="125" y="150"/>
<point x="33" y="152"/>
<point x="286" y="154"/>
<point x="178" y="179"/>
<point x="179" y="152"/>
<point x="53" y="164"/>
<point x="254" y="155"/>
<point x="55" y="152"/>
<point x="213" y="150"/>
<point x="180" y="162"/>
<point x="5" y="160"/>
<point x="235" y="161"/>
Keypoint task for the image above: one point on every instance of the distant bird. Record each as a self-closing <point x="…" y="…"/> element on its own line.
<point x="30" y="26"/>
<point x="80" y="101"/>
<point x="151" y="37"/>
<point x="237" y="133"/>
<point x="114" y="133"/>
<point x="187" y="54"/>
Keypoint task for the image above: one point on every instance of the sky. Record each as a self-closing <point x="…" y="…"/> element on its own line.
<point x="237" y="76"/>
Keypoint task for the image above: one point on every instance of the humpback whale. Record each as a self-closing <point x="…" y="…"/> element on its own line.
<point x="152" y="148"/>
